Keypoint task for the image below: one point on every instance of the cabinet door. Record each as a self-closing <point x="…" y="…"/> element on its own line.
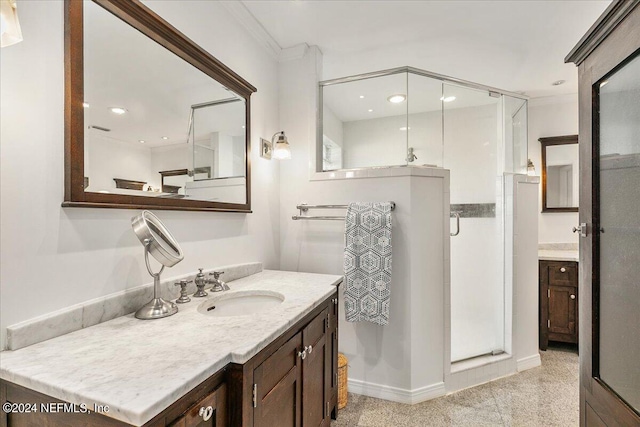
<point x="316" y="374"/>
<point x="211" y="411"/>
<point x="278" y="388"/>
<point x="563" y="313"/>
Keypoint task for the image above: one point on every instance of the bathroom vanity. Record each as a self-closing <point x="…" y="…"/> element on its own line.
<point x="558" y="273"/>
<point x="275" y="366"/>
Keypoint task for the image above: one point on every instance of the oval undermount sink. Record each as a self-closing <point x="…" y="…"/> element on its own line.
<point x="242" y="303"/>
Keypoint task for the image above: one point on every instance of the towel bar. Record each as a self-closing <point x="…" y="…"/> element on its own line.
<point x="305" y="208"/>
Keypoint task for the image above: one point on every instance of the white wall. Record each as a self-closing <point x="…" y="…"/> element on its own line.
<point x="53" y="257"/>
<point x="553" y="116"/>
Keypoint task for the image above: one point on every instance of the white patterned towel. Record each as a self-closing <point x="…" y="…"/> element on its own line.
<point x="367" y="262"/>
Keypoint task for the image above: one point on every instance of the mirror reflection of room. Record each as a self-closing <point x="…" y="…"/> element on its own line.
<point x="155" y="125"/>
<point x="561" y="173"/>
<point x="562" y="188"/>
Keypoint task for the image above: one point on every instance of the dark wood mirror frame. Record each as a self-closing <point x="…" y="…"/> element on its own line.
<point x="546" y="142"/>
<point x="140" y="17"/>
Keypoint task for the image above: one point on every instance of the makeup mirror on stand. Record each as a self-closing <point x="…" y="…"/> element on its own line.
<point x="158" y="242"/>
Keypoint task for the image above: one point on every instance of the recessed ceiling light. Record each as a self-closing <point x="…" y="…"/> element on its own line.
<point x="604" y="83"/>
<point x="370" y="110"/>
<point x="405" y="128"/>
<point x="361" y="96"/>
<point x="558" y="82"/>
<point x="118" y="110"/>
<point x="165" y="137"/>
<point x="448" y="98"/>
<point x="142" y="141"/>
<point x="243" y="126"/>
<point x="397" y="98"/>
<point x="85" y="104"/>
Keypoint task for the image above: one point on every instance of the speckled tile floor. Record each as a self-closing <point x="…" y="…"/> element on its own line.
<point x="546" y="396"/>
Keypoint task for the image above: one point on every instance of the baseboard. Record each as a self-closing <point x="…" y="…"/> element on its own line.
<point x="396" y="394"/>
<point x="528" y="362"/>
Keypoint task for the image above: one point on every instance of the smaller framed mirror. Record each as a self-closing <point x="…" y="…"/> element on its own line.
<point x="560" y="173"/>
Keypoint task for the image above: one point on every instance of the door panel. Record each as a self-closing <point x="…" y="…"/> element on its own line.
<point x="617" y="232"/>
<point x="278" y="387"/>
<point x="562" y="312"/>
<point x="314" y="372"/>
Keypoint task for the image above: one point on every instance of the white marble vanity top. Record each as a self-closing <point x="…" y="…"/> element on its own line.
<point x="558" y="255"/>
<point x="140" y="367"/>
<point x="558" y="252"/>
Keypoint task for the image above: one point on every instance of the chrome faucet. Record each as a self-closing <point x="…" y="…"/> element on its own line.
<point x="218" y="285"/>
<point x="410" y="156"/>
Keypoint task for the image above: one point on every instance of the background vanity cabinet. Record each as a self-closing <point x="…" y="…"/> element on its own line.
<point x="558" y="302"/>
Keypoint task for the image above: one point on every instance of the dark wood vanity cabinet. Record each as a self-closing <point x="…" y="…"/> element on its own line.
<point x="291" y="382"/>
<point x="558" y="302"/>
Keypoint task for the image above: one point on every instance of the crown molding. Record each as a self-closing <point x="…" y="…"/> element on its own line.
<point x="294" y="52"/>
<point x="240" y="12"/>
<point x="610" y="18"/>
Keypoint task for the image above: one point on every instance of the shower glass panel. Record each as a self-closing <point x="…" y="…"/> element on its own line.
<point x="515" y="134"/>
<point x="473" y="152"/>
<point x="424" y="122"/>
<point x="364" y="123"/>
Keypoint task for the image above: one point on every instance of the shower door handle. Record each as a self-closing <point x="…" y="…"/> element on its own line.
<point x="457" y="215"/>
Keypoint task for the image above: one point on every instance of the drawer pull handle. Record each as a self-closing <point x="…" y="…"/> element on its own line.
<point x="562" y="270"/>
<point x="206" y="413"/>
<point x="302" y="354"/>
<point x="308" y="349"/>
<point x="573" y="296"/>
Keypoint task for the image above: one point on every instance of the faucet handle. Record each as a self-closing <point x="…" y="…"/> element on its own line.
<point x="216" y="274"/>
<point x="183" y="291"/>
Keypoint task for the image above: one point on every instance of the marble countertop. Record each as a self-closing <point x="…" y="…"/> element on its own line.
<point x="140" y="367"/>
<point x="558" y="255"/>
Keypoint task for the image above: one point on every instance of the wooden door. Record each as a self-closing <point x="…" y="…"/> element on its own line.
<point x="316" y="381"/>
<point x="278" y="387"/>
<point x="609" y="68"/>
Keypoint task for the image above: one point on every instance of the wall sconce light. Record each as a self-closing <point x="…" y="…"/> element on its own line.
<point x="531" y="169"/>
<point x="10" y="31"/>
<point x="278" y="149"/>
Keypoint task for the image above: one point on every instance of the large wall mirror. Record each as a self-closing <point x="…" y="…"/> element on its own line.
<point x="560" y="173"/>
<point x="152" y="119"/>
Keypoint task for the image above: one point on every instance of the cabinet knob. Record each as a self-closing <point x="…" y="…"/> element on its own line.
<point x="308" y="349"/>
<point x="206" y="413"/>
<point x="572" y="296"/>
<point x="302" y="354"/>
<point x="562" y="270"/>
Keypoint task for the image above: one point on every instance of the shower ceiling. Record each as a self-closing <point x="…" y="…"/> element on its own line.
<point x="514" y="45"/>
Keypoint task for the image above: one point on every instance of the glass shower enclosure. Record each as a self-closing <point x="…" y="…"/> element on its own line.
<point x="414" y="118"/>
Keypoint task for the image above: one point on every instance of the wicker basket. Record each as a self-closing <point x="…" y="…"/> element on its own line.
<point x="342" y="380"/>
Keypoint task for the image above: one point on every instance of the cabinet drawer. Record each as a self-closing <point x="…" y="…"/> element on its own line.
<point x="563" y="274"/>
<point x="211" y="411"/>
